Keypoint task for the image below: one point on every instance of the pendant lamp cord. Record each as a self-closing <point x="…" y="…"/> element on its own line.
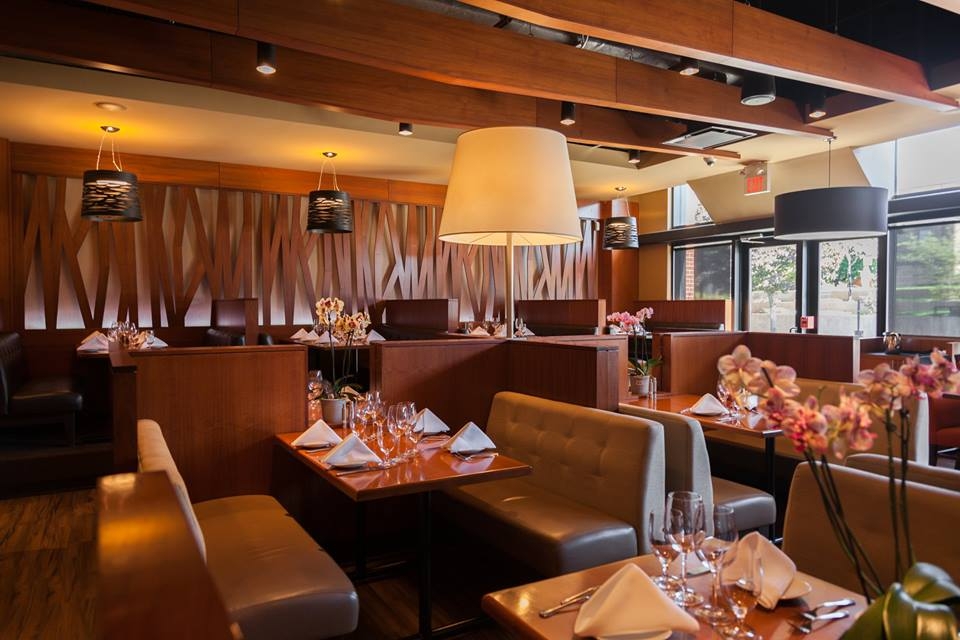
<point x="114" y="153"/>
<point x="333" y="169"/>
<point x="829" y="160"/>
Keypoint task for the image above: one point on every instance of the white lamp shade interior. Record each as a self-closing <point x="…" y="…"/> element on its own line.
<point x="511" y="180"/>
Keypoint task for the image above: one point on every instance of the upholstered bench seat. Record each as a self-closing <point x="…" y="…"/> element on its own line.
<point x="45" y="395"/>
<point x="275" y="581"/>
<point x="552" y="534"/>
<point x="597" y="477"/>
<point x="753" y="508"/>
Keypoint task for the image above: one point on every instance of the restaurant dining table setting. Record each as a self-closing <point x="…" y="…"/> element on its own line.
<point x="708" y="405"/>
<point x="470" y="440"/>
<point x="351" y="453"/>
<point x="98" y="342"/>
<point x="319" y="435"/>
<point x="428" y="423"/>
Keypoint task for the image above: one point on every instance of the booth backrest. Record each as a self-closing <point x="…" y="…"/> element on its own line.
<point x="919" y="473"/>
<point x="13" y="368"/>
<point x="609" y="461"/>
<point x="808" y="538"/>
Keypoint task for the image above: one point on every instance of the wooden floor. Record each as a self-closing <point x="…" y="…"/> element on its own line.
<point x="48" y="578"/>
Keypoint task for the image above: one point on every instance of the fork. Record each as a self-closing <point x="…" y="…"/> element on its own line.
<point x="832" y="604"/>
<point x="476" y="456"/>
<point x="577" y="598"/>
<point x="807" y="625"/>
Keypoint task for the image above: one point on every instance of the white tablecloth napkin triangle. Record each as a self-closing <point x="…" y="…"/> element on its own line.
<point x="96" y="341"/>
<point x="708" y="405"/>
<point x="629" y="605"/>
<point x="318" y="434"/>
<point x="501" y="332"/>
<point x="373" y="336"/>
<point x="428" y="422"/>
<point x="157" y="343"/>
<point x="299" y="335"/>
<point x="470" y="439"/>
<point x="527" y="332"/>
<point x="479" y="331"/>
<point x="778" y="569"/>
<point x="351" y="452"/>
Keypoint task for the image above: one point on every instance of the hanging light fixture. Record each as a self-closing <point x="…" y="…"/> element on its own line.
<point x="633" y="156"/>
<point x="620" y="232"/>
<point x="329" y="210"/>
<point x="817" y="107"/>
<point x="831" y="213"/>
<point x="568" y="113"/>
<point x="266" y="58"/>
<point x="405" y="129"/>
<point x="110" y="195"/>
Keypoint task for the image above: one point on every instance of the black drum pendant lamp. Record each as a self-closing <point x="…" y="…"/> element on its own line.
<point x="110" y="195"/>
<point x="831" y="213"/>
<point x="329" y="210"/>
<point x="620" y="232"/>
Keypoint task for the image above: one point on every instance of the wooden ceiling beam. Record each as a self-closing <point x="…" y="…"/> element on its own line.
<point x="141" y="47"/>
<point x="732" y="33"/>
<point x="382" y="34"/>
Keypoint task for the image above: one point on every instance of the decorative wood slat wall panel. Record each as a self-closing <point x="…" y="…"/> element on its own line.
<point x="198" y="243"/>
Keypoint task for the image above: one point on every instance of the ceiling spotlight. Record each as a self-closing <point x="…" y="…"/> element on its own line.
<point x="633" y="157"/>
<point x="818" y="104"/>
<point x="758" y="89"/>
<point x="621" y="188"/>
<point x="405" y="129"/>
<point x="266" y="58"/>
<point x="688" y="67"/>
<point x="109" y="128"/>
<point x="709" y="161"/>
<point x="110" y="106"/>
<point x="568" y="113"/>
<point x="329" y="154"/>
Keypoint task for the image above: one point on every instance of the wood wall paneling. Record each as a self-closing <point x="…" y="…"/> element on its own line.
<point x="566" y="372"/>
<point x="151" y="579"/>
<point x="7" y="235"/>
<point x="812" y="355"/>
<point x="201" y="240"/>
<point x="689" y="312"/>
<point x="690" y="359"/>
<point x="220" y="407"/>
<point x="589" y="313"/>
<point x="619" y="341"/>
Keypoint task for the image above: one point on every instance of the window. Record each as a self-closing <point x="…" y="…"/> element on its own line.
<point x="927" y="162"/>
<point x="702" y="272"/>
<point x="686" y="208"/>
<point x="847" y="302"/>
<point x="773" y="288"/>
<point x="925" y="280"/>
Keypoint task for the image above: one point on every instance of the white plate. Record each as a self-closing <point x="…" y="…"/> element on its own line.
<point x="652" y="635"/>
<point x="797" y="589"/>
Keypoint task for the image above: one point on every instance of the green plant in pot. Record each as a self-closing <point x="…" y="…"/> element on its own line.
<point x="923" y="600"/>
<point x="640" y="364"/>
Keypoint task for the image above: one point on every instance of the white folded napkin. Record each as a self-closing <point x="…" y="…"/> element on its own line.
<point x="479" y="331"/>
<point x="299" y="335"/>
<point x="613" y="329"/>
<point x="323" y="337"/>
<point x="318" y="435"/>
<point x="351" y="452"/>
<point x="778" y="569"/>
<point x="428" y="422"/>
<point x="373" y="336"/>
<point x="470" y="439"/>
<point x="501" y="332"/>
<point x="708" y="405"/>
<point x="628" y="605"/>
<point x="527" y="332"/>
<point x="96" y="341"/>
<point x="157" y="343"/>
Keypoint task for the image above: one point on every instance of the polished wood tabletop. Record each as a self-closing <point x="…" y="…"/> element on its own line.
<point x="516" y="609"/>
<point x="679" y="402"/>
<point x="433" y="469"/>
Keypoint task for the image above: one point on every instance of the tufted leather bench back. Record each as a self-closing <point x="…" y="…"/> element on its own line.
<point x="609" y="461"/>
<point x="13" y="368"/>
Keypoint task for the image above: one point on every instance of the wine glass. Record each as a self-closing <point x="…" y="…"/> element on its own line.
<point x="712" y="552"/>
<point x="741" y="590"/>
<point x="729" y="400"/>
<point x="389" y="435"/>
<point x="685" y="530"/>
<point x="408" y="416"/>
<point x="665" y="553"/>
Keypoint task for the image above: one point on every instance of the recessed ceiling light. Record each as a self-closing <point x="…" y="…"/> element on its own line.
<point x="110" y="106"/>
<point x="758" y="89"/>
<point x="633" y="157"/>
<point x="688" y="67"/>
<point x="109" y="128"/>
<point x="330" y="154"/>
<point x="620" y="188"/>
<point x="405" y="129"/>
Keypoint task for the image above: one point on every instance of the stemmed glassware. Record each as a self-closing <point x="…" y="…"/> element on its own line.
<point x="712" y="552"/>
<point x="408" y="418"/>
<point x="389" y="435"/>
<point x="741" y="593"/>
<point x="665" y="552"/>
<point x="685" y="531"/>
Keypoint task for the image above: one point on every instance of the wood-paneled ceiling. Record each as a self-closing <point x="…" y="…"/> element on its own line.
<point x="439" y="63"/>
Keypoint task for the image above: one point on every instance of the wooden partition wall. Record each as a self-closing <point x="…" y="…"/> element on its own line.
<point x="219" y="408"/>
<point x="237" y="315"/>
<point x="437" y="314"/>
<point x="690" y="358"/>
<point x="695" y="314"/>
<point x="217" y="230"/>
<point x="579" y="374"/>
<point x="619" y="342"/>
<point x="589" y="313"/>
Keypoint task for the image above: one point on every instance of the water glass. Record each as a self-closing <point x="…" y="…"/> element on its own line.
<point x="389" y="436"/>
<point x="408" y="417"/>
<point x="685" y="530"/>
<point x="665" y="553"/>
<point x="712" y="552"/>
<point x="741" y="593"/>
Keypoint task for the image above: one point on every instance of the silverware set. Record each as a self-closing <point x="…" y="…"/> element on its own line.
<point x="809" y="618"/>
<point x="480" y="455"/>
<point x="350" y="472"/>
<point x="577" y="598"/>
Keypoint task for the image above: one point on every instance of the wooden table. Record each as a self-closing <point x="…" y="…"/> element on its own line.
<point x="678" y="402"/>
<point x="516" y="609"/>
<point x="433" y="469"/>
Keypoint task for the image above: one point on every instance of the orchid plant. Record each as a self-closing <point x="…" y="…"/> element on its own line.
<point x="632" y="325"/>
<point x="347" y="329"/>
<point x="823" y="432"/>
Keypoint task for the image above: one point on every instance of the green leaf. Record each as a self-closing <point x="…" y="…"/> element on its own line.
<point x="929" y="583"/>
<point x="869" y="626"/>
<point x="906" y="618"/>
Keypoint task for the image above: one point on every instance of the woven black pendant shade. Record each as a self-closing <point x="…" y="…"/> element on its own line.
<point x="110" y="196"/>
<point x="620" y="232"/>
<point x="329" y="211"/>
